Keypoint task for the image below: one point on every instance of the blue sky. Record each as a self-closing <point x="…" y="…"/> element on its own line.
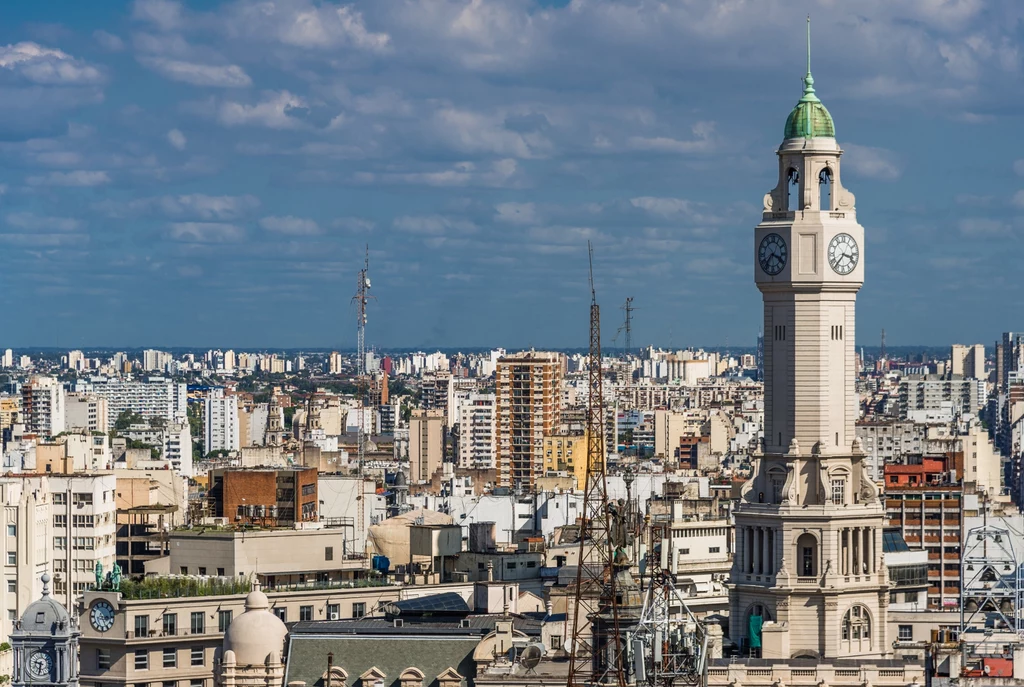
<point x="208" y="173"/>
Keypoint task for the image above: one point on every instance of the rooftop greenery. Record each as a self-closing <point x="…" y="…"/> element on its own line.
<point x="176" y="587"/>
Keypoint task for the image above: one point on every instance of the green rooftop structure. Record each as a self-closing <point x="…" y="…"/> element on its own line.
<point x="809" y="119"/>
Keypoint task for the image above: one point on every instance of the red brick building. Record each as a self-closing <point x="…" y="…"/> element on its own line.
<point x="266" y="497"/>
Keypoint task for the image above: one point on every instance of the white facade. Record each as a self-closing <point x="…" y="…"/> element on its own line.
<point x="63" y="524"/>
<point x="156" y="361"/>
<point x="86" y="412"/>
<point x="809" y="521"/>
<point x="155" y="397"/>
<point x="476" y="431"/>
<point x="221" y="420"/>
<point x="174" y="442"/>
<point x="42" y="406"/>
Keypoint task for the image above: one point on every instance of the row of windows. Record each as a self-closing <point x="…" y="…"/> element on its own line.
<point x="202" y="570"/>
<point x="197" y="657"/>
<point x="61" y="521"/>
<point x="169" y="623"/>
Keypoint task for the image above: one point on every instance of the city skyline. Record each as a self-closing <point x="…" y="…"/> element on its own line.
<point x="193" y="174"/>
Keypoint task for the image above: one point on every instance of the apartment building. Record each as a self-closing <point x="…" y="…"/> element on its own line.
<point x="166" y="633"/>
<point x="278" y="558"/>
<point x="61" y="523"/>
<point x="426" y="444"/>
<point x="566" y="452"/>
<point x="174" y="442"/>
<point x="86" y="412"/>
<point x="923" y="502"/>
<point x="153" y="398"/>
<point x="968" y="361"/>
<point x="935" y="393"/>
<point x="267" y="497"/>
<point x="221" y="422"/>
<point x="476" y="431"/>
<point x="42" y="406"/>
<point x="528" y="406"/>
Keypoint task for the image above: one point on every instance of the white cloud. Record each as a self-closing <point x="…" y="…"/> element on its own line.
<point x="702" y="141"/>
<point x="47" y="66"/>
<point x="205" y="232"/>
<point x="219" y="76"/>
<point x="981" y="226"/>
<point x="433" y="225"/>
<point x="197" y="205"/>
<point x="207" y="207"/>
<point x="295" y="226"/>
<point x="32" y="222"/>
<point x="177" y="139"/>
<point x="303" y="24"/>
<point x="501" y="174"/>
<point x="108" y="41"/>
<point x="516" y="213"/>
<point x="474" y="132"/>
<point x="273" y="111"/>
<point x="77" y="178"/>
<point x="354" y="224"/>
<point x="165" y="15"/>
<point x="867" y="161"/>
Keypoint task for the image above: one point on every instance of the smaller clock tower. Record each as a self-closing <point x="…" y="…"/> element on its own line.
<point x="45" y="643"/>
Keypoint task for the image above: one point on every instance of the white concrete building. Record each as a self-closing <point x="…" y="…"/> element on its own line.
<point x="476" y="431"/>
<point x="87" y="412"/>
<point x="174" y="442"/>
<point x="42" y="406"/>
<point x="156" y="361"/>
<point x="64" y="524"/>
<point x="154" y="397"/>
<point x="221" y="422"/>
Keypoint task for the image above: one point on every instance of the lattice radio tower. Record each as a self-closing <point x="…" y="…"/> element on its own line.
<point x="597" y="649"/>
<point x="361" y="299"/>
<point x="627" y="327"/>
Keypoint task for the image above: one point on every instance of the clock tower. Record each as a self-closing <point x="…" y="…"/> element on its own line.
<point x="808" y="578"/>
<point x="45" y="644"/>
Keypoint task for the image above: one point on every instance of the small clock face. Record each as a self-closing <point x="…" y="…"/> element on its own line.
<point x="102" y="616"/>
<point x="843" y="253"/>
<point x="40" y="665"/>
<point x="772" y="254"/>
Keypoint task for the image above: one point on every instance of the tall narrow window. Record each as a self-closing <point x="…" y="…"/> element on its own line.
<point x="825" y="189"/>
<point x="838" y="487"/>
<point x="793" y="190"/>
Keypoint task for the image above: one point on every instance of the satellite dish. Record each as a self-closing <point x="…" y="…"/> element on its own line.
<point x="531" y="656"/>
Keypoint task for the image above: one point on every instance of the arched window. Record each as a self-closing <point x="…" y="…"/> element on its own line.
<point x="792" y="189"/>
<point x="857" y="624"/>
<point x="825" y="189"/>
<point x="807" y="555"/>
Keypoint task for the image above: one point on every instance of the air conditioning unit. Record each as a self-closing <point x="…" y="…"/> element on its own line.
<point x="332" y="616"/>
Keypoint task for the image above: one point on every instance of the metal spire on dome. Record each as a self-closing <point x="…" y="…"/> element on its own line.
<point x="809" y="95"/>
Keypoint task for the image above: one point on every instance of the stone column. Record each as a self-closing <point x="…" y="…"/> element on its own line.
<point x="766" y="552"/>
<point x="738" y="549"/>
<point x="757" y="550"/>
<point x="849" y="551"/>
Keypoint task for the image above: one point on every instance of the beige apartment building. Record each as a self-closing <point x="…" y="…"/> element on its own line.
<point x="528" y="387"/>
<point x="426" y="444"/>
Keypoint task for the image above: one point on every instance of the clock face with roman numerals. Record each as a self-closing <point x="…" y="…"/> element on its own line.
<point x="843" y="254"/>
<point x="771" y="254"/>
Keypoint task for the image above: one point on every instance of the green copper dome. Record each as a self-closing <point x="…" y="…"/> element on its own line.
<point x="809" y="119"/>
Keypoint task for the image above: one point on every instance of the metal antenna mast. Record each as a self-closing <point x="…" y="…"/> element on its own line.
<point x="361" y="299"/>
<point x="627" y="326"/>
<point x="597" y="649"/>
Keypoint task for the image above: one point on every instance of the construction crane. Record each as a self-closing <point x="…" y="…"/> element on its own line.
<point x="596" y="646"/>
<point x="361" y="299"/>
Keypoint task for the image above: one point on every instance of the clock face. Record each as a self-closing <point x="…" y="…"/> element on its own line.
<point x="772" y="254"/>
<point x="102" y="615"/>
<point x="40" y="665"/>
<point x="843" y="253"/>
